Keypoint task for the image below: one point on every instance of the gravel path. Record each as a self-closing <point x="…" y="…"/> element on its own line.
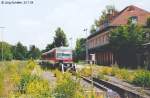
<point x="47" y="75"/>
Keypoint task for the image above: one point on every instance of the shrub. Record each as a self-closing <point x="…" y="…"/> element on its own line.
<point x="115" y="71"/>
<point x="37" y="71"/>
<point x="15" y="78"/>
<point x="33" y="86"/>
<point x="142" y="78"/>
<point x="38" y="87"/>
<point x="106" y="70"/>
<point x="102" y="76"/>
<point x="58" y="75"/>
<point x="86" y="72"/>
<point x="122" y="74"/>
<point x="1" y="82"/>
<point x="67" y="87"/>
<point x="25" y="79"/>
<point x="30" y="65"/>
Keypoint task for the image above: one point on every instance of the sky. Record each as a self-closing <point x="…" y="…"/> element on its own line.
<point x="36" y="23"/>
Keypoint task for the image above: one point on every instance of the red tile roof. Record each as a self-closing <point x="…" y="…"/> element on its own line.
<point x="125" y="14"/>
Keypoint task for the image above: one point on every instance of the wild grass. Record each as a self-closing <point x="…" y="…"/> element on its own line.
<point x="66" y="86"/>
<point x="86" y="72"/>
<point x="137" y="77"/>
<point x="142" y="78"/>
<point x="19" y="78"/>
<point x="23" y="80"/>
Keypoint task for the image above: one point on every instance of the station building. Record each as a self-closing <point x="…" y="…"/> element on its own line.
<point x="98" y="42"/>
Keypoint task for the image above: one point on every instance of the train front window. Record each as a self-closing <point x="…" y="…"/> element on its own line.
<point x="66" y="55"/>
<point x="63" y="55"/>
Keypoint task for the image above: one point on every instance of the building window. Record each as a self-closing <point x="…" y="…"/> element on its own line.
<point x="134" y="19"/>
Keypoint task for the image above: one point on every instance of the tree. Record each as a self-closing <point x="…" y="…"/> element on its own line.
<point x="124" y="41"/>
<point x="148" y="22"/>
<point x="7" y="54"/>
<point x="49" y="47"/>
<point x="109" y="10"/>
<point x="20" y="51"/>
<point x="80" y="49"/>
<point x="105" y="15"/>
<point x="93" y="29"/>
<point x="60" y="38"/>
<point x="34" y="52"/>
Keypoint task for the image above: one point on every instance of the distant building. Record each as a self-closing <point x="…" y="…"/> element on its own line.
<point x="98" y="42"/>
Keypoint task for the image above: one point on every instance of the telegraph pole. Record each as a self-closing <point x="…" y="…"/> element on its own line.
<point x="87" y="57"/>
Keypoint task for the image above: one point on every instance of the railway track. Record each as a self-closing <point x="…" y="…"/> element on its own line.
<point x="108" y="93"/>
<point x="111" y="90"/>
<point x="86" y="83"/>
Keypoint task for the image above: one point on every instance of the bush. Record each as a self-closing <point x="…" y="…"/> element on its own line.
<point x="34" y="86"/>
<point x="115" y="71"/>
<point x="67" y="87"/>
<point x="86" y="72"/>
<point x="106" y="70"/>
<point x="25" y="79"/>
<point x="30" y="65"/>
<point x="38" y="87"/>
<point x="122" y="74"/>
<point x="15" y="78"/>
<point x="142" y="78"/>
<point x="1" y="82"/>
<point x="22" y="80"/>
<point x="102" y="76"/>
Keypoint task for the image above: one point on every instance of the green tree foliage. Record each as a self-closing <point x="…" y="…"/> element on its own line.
<point x="60" y="38"/>
<point x="93" y="29"/>
<point x="19" y="51"/>
<point x="80" y="49"/>
<point x="147" y="30"/>
<point x="148" y="22"/>
<point x="49" y="47"/>
<point x="34" y="52"/>
<point x="147" y="34"/>
<point x="7" y="54"/>
<point x="124" y="41"/>
<point x="105" y="15"/>
<point x="103" y="18"/>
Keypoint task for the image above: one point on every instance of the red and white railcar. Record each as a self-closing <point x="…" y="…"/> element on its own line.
<point x="58" y="55"/>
